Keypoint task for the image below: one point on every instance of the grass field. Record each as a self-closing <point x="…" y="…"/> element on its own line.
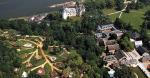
<point x="135" y="17"/>
<point x="138" y="71"/>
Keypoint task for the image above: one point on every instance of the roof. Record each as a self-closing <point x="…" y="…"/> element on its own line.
<point x="111" y="42"/>
<point x="111" y="73"/>
<point x="113" y="47"/>
<point x="100" y="35"/>
<point x="70" y="10"/>
<point x="119" y="54"/>
<point x="146" y="58"/>
<point x="108" y="26"/>
<point x="138" y="43"/>
<point x="141" y="50"/>
<point x="110" y="58"/>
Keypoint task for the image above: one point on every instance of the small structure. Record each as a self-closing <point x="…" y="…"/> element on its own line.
<point x="110" y="59"/>
<point x="28" y="65"/>
<point x="118" y="33"/>
<point x="138" y="43"/>
<point x="24" y="74"/>
<point x="28" y="45"/>
<point x="70" y="74"/>
<point x="37" y="18"/>
<point x="113" y="48"/>
<point x="16" y="70"/>
<point x="111" y="73"/>
<point x="41" y="71"/>
<point x="132" y="40"/>
<point x="53" y="58"/>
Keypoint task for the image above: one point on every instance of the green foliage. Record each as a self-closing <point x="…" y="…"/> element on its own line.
<point x="119" y="4"/>
<point x="66" y="72"/>
<point x="125" y="43"/>
<point x="147" y="15"/>
<point x="147" y="2"/>
<point x="74" y="59"/>
<point x="54" y="16"/>
<point x="34" y="75"/>
<point x="122" y="25"/>
<point x="8" y="60"/>
<point x="113" y="36"/>
<point x="109" y="3"/>
<point x="123" y="72"/>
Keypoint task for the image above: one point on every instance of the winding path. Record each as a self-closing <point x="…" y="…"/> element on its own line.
<point x="136" y="75"/>
<point x="126" y="5"/>
<point x="39" y="45"/>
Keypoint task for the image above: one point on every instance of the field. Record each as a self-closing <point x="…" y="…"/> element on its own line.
<point x="135" y="17"/>
<point x="138" y="71"/>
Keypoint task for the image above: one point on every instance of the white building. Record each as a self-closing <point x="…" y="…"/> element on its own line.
<point x="73" y="10"/>
<point x="69" y="12"/>
<point x="111" y="73"/>
<point x="24" y="74"/>
<point x="138" y="43"/>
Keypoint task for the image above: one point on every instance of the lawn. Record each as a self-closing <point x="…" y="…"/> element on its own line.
<point x="135" y="17"/>
<point x="138" y="71"/>
<point x="27" y="50"/>
<point x="148" y="32"/>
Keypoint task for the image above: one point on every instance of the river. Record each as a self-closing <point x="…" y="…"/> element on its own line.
<point x="19" y="8"/>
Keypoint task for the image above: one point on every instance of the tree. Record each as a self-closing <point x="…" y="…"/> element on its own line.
<point x="147" y="15"/>
<point x="119" y="4"/>
<point x="54" y="16"/>
<point x="74" y="60"/>
<point x="125" y="44"/>
<point x="109" y="3"/>
<point x="34" y="75"/>
<point x="112" y="36"/>
<point x="104" y="72"/>
<point x="145" y="1"/>
<point x="66" y="72"/>
<point x="139" y="5"/>
<point x="8" y="60"/>
<point x="119" y="23"/>
<point x="127" y="9"/>
<point x="123" y="72"/>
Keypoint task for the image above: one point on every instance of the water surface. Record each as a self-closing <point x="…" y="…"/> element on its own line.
<point x="16" y="8"/>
